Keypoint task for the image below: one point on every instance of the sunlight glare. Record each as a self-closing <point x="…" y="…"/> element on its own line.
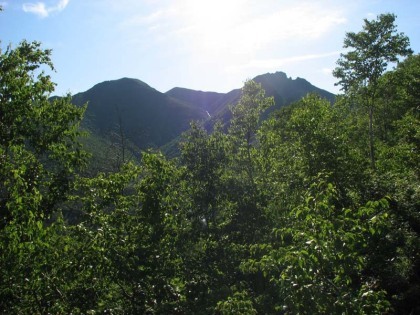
<point x="211" y="23"/>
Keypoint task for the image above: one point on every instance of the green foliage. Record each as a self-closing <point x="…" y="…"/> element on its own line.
<point x="360" y="69"/>
<point x="276" y="217"/>
<point x="39" y="152"/>
<point x="39" y="158"/>
<point x="246" y="114"/>
<point x="132" y="229"/>
<point x="238" y="304"/>
<point x="373" y="48"/>
<point x="317" y="259"/>
<point x="244" y="124"/>
<point x="205" y="157"/>
<point x="398" y="94"/>
<point x="243" y="151"/>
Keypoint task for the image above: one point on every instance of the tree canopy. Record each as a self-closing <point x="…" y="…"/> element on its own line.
<point x="275" y="216"/>
<point x="359" y="69"/>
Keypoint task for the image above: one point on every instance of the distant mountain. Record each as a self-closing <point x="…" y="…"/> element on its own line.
<point x="287" y="90"/>
<point x="284" y="90"/>
<point x="147" y="118"/>
<point x="207" y="101"/>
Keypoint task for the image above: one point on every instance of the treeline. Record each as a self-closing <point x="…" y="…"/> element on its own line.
<point x="312" y="211"/>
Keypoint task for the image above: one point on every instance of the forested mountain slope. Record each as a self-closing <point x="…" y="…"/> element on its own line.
<point x="147" y="117"/>
<point x="285" y="90"/>
<point x="130" y="111"/>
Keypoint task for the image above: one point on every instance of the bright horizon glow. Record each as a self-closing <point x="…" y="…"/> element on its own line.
<point x="198" y="44"/>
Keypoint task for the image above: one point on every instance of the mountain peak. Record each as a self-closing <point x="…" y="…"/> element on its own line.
<point x="150" y="118"/>
<point x="123" y="82"/>
<point x="286" y="90"/>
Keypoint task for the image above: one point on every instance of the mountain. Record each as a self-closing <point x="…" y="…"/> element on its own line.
<point x="132" y="109"/>
<point x="287" y="90"/>
<point x="284" y="90"/>
<point x="133" y="114"/>
<point x="207" y="101"/>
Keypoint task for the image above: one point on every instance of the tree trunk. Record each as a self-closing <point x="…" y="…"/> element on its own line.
<point x="371" y="140"/>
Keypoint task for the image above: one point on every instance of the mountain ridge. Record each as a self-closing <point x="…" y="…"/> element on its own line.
<point x="130" y="109"/>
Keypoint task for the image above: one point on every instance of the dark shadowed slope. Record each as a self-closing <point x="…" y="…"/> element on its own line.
<point x="207" y="101"/>
<point x="284" y="90"/>
<point x="145" y="116"/>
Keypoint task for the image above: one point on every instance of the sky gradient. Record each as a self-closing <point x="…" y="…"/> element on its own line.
<point x="204" y="45"/>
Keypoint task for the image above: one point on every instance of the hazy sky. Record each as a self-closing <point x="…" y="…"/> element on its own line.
<point x="205" y="45"/>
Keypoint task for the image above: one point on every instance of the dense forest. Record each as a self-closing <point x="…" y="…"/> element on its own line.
<point x="313" y="210"/>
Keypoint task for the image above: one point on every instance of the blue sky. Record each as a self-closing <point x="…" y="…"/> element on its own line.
<point x="205" y="45"/>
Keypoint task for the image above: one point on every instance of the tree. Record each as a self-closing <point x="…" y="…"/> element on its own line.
<point x="315" y="262"/>
<point x="205" y="157"/>
<point x="243" y="156"/>
<point x="243" y="162"/>
<point x="39" y="158"/>
<point x="359" y="69"/>
<point x="245" y="122"/>
<point x="39" y="153"/>
<point x="399" y="91"/>
<point x="397" y="176"/>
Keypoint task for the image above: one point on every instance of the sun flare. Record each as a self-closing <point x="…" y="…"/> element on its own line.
<point x="212" y="22"/>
